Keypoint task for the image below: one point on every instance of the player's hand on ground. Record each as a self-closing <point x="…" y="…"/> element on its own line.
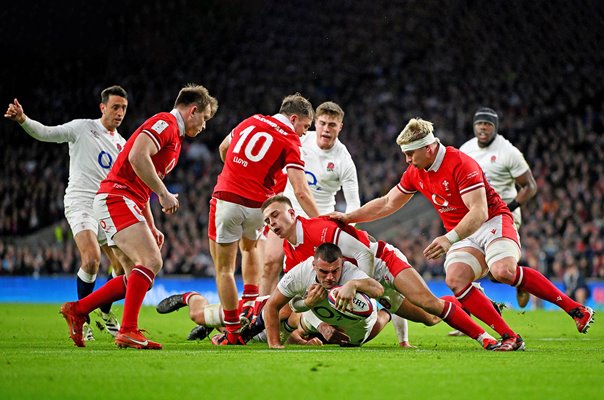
<point x="339" y="216"/>
<point x="407" y="345"/>
<point x="15" y="112"/>
<point x="169" y="202"/>
<point x="314" y="342"/>
<point x="437" y="248"/>
<point x="314" y="295"/>
<point x="276" y="346"/>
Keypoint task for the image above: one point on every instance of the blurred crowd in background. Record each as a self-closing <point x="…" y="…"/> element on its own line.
<point x="537" y="63"/>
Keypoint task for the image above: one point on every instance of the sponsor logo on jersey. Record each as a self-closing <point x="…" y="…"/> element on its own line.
<point x="105" y="160"/>
<point x="170" y="166"/>
<point x="159" y="126"/>
<point x="439" y="201"/>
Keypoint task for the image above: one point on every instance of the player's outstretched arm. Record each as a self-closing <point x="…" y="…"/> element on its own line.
<point x="376" y="208"/>
<point x="54" y="134"/>
<point x="271" y="318"/>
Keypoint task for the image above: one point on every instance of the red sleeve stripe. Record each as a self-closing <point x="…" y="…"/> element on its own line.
<point x="470" y="188"/>
<point x="402" y="189"/>
<point x="296" y="166"/>
<point x="153" y="138"/>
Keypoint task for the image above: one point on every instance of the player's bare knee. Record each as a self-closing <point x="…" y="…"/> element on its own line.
<point x="90" y="265"/>
<point x="504" y="272"/>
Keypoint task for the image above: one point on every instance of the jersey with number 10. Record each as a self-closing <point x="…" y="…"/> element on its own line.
<point x="261" y="146"/>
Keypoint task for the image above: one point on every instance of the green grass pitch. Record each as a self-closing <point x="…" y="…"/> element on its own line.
<point x="38" y="361"/>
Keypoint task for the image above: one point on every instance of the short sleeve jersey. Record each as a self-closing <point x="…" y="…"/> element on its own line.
<point x="261" y="146"/>
<point x="166" y="130"/>
<point x="452" y="175"/>
<point x="313" y="233"/>
<point x="501" y="162"/>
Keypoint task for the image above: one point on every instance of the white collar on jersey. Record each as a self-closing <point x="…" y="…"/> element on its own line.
<point x="179" y="120"/>
<point x="284" y="119"/>
<point x="299" y="233"/>
<point x="440" y="155"/>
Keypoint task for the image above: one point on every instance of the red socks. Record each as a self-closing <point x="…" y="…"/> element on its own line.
<point x="113" y="290"/>
<point x="250" y="293"/>
<point x="139" y="281"/>
<point x="187" y="296"/>
<point x="458" y="319"/>
<point x="538" y="285"/>
<point x="231" y="321"/>
<point x="479" y="305"/>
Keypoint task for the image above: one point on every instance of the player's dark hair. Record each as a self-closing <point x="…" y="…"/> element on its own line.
<point x="298" y="105"/>
<point x="115" y="90"/>
<point x="328" y="252"/>
<point x="276" y="199"/>
<point x="198" y="95"/>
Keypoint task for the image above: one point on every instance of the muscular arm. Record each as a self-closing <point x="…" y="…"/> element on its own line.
<point x="298" y="180"/>
<point x="528" y="187"/>
<point x="378" y="208"/>
<point x="271" y="318"/>
<point x="478" y="212"/>
<point x="224" y="146"/>
<point x="140" y="158"/>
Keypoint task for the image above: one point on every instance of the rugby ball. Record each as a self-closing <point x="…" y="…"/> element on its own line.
<point x="362" y="306"/>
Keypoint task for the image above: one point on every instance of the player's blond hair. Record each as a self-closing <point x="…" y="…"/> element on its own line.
<point x="330" y="108"/>
<point x="296" y="104"/>
<point x="416" y="129"/>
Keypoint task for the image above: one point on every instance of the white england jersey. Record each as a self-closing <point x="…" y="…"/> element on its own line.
<point x="326" y="172"/>
<point x="92" y="152"/>
<point x="502" y="163"/>
<point x="299" y="279"/>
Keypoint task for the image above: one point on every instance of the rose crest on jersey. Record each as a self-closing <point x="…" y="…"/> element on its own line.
<point x="330" y="166"/>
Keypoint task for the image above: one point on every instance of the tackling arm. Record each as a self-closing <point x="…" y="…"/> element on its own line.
<point x="377" y="208"/>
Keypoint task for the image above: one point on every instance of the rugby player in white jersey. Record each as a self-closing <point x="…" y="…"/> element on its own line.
<point x="504" y="166"/>
<point x="310" y="281"/>
<point x="93" y="147"/>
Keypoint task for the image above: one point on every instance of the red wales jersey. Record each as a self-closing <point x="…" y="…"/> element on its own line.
<point x="314" y="232"/>
<point x="453" y="174"/>
<point x="261" y="146"/>
<point x="164" y="131"/>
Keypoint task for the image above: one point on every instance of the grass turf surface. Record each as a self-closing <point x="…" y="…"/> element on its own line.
<point x="38" y="360"/>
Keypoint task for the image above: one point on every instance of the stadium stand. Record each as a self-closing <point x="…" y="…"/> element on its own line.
<point x="383" y="61"/>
